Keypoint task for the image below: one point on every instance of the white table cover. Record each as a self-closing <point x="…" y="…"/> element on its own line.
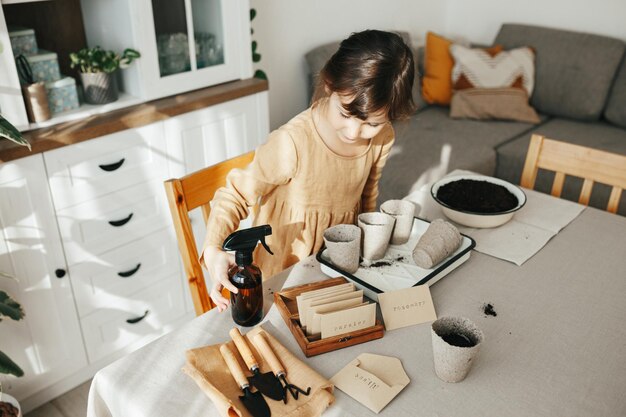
<point x="556" y="347"/>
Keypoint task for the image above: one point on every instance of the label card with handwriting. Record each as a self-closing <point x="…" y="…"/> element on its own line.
<point x="407" y="307"/>
<point x="348" y="320"/>
<point x="372" y="380"/>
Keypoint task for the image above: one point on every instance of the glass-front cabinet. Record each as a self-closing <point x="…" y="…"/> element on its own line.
<point x="185" y="44"/>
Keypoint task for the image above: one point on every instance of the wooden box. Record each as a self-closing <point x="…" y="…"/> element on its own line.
<point x="285" y="300"/>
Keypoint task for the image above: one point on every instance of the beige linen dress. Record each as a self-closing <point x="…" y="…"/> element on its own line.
<point x="300" y="187"/>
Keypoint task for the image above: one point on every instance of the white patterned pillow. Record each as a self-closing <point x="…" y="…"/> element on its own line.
<point x="476" y="68"/>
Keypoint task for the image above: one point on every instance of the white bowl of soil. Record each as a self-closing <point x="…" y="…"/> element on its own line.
<point x="477" y="200"/>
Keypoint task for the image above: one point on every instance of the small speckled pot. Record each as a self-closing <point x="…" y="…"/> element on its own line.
<point x="452" y="363"/>
<point x="343" y="243"/>
<point x="404" y="212"/>
<point x="377" y="229"/>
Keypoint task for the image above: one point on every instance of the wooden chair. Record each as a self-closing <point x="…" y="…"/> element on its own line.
<point x="186" y="194"/>
<point x="566" y="159"/>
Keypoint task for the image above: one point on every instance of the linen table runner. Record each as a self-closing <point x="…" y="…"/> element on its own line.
<point x="210" y="372"/>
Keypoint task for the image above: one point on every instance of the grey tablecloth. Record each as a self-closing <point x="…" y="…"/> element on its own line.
<point x="556" y="348"/>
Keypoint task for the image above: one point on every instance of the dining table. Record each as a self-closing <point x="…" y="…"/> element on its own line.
<point x="554" y="341"/>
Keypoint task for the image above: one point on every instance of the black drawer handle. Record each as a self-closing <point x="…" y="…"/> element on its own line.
<point x="121" y="222"/>
<point x="60" y="273"/>
<point x="113" y="166"/>
<point x="129" y="273"/>
<point x="137" y="319"/>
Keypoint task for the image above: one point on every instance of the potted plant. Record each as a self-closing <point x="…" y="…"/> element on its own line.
<point x="9" y="307"/>
<point x="97" y="71"/>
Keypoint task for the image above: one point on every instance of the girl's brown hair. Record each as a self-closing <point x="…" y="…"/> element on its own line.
<point x="376" y="70"/>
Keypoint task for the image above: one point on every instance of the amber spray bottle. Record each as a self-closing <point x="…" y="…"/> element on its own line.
<point x="247" y="304"/>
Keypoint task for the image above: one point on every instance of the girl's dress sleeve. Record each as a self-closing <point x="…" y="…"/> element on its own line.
<point x="274" y="164"/>
<point x="370" y="191"/>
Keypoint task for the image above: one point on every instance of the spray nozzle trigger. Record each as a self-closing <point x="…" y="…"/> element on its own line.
<point x="267" y="248"/>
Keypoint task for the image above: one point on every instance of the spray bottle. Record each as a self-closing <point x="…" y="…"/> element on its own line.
<point x="247" y="304"/>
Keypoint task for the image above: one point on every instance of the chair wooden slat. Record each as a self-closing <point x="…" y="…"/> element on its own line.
<point x="585" y="192"/>
<point x="529" y="174"/>
<point x="592" y="165"/>
<point x="557" y="185"/>
<point x="616" y="194"/>
<point x="185" y="194"/>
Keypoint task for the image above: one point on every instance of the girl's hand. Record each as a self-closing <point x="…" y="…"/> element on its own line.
<point x="218" y="263"/>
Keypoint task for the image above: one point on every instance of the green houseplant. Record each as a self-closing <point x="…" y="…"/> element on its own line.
<point x="97" y="68"/>
<point x="11" y="309"/>
<point x="8" y="306"/>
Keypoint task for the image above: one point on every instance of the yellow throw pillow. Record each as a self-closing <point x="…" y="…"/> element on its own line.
<point x="438" y="64"/>
<point x="436" y="83"/>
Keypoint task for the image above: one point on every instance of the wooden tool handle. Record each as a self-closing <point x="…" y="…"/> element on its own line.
<point x="268" y="354"/>
<point x="233" y="366"/>
<point x="244" y="349"/>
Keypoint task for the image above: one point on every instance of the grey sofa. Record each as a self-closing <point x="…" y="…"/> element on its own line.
<point x="580" y="94"/>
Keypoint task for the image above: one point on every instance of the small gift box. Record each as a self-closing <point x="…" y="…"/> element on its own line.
<point x="45" y="66"/>
<point x="62" y="95"/>
<point x="23" y="41"/>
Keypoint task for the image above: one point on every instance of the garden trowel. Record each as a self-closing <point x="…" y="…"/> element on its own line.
<point x="267" y="383"/>
<point x="253" y="401"/>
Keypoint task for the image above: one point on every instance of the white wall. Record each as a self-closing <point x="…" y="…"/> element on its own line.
<point x="287" y="29"/>
<point x="479" y="20"/>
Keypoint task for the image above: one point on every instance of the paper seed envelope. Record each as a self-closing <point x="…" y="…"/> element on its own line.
<point x="330" y="307"/>
<point x="306" y="316"/>
<point x="407" y="307"/>
<point x="372" y="380"/>
<point x="322" y="291"/>
<point x="344" y="321"/>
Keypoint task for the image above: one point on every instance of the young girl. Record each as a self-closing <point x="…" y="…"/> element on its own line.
<point x="322" y="167"/>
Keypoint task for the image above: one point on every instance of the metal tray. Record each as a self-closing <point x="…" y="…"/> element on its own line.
<point x="397" y="269"/>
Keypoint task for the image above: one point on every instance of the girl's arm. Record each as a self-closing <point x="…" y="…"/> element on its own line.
<point x="370" y="191"/>
<point x="274" y="163"/>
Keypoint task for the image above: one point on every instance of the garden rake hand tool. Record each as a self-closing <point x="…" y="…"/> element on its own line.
<point x="267" y="383"/>
<point x="268" y="354"/>
<point x="253" y="401"/>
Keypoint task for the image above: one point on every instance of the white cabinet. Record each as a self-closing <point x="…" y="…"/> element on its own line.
<point x="185" y="44"/>
<point x="47" y="344"/>
<point x="96" y="213"/>
<point x="115" y="226"/>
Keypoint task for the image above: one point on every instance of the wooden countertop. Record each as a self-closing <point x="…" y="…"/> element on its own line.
<point x="63" y="134"/>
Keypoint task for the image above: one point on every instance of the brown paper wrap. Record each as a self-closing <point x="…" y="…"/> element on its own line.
<point x="207" y="367"/>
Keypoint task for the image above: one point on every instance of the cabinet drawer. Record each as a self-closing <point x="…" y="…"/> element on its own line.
<point x="87" y="170"/>
<point x="95" y="226"/>
<point x="149" y="314"/>
<point x="116" y="275"/>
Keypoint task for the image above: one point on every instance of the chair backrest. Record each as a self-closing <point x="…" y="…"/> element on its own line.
<point x="579" y="161"/>
<point x="188" y="193"/>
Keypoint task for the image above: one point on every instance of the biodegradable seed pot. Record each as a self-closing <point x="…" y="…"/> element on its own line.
<point x="404" y="212"/>
<point x="439" y="241"/>
<point x="343" y="243"/>
<point x="456" y="342"/>
<point x="377" y="229"/>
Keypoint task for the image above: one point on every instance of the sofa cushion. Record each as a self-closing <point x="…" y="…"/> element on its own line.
<point x="616" y="108"/>
<point x="492" y="104"/>
<point x="431" y="144"/>
<point x="573" y="71"/>
<point x="600" y="135"/>
<point x="477" y="68"/>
